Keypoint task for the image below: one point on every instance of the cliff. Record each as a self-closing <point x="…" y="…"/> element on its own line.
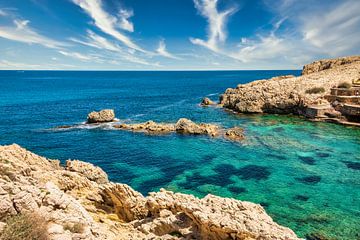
<point x="79" y="202"/>
<point x="290" y="94"/>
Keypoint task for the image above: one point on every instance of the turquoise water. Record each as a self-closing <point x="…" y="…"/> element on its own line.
<point x="306" y="175"/>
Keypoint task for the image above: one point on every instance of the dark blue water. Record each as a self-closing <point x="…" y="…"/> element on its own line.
<point x="305" y="174"/>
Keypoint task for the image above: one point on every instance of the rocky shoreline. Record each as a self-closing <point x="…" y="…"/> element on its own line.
<point x="78" y="201"/>
<point x="327" y="90"/>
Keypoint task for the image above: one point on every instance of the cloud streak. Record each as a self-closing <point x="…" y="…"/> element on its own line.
<point x="217" y="21"/>
<point x="21" y="32"/>
<point x="161" y="50"/>
<point x="107" y="23"/>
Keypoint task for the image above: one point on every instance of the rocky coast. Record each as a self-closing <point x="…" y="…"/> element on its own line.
<point x="77" y="201"/>
<point x="327" y="90"/>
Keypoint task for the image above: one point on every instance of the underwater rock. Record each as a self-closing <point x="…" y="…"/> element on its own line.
<point x="235" y="134"/>
<point x="301" y="198"/>
<point x="307" y="160"/>
<point x="106" y="115"/>
<point x="254" y="172"/>
<point x="322" y="154"/>
<point x="81" y="194"/>
<point x="206" y="102"/>
<point x="311" y="180"/>
<point x="237" y="190"/>
<point x="352" y="165"/>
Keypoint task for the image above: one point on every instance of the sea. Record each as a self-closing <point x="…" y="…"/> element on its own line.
<point x="305" y="174"/>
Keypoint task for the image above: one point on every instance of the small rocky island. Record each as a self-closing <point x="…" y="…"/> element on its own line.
<point x="47" y="201"/>
<point x="328" y="90"/>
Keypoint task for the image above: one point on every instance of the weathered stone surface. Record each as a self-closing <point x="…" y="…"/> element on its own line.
<point x="88" y="170"/>
<point x="206" y="102"/>
<point x="288" y="94"/>
<point x="148" y="127"/>
<point x="106" y="115"/>
<point x="321" y="65"/>
<point x="80" y="195"/>
<point x="187" y="126"/>
<point x="235" y="134"/>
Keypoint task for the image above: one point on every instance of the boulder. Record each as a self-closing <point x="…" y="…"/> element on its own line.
<point x="88" y="170"/>
<point x="106" y="115"/>
<point x="235" y="134"/>
<point x="206" y="102"/>
<point x="187" y="126"/>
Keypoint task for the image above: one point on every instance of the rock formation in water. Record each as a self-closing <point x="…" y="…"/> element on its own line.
<point x="206" y="102"/>
<point x="79" y="202"/>
<point x="183" y="125"/>
<point x="235" y="134"/>
<point x="310" y="91"/>
<point x="106" y="115"/>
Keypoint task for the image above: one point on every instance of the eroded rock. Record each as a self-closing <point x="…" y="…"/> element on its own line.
<point x="235" y="134"/>
<point x="206" y="102"/>
<point x="187" y="126"/>
<point x="106" y="115"/>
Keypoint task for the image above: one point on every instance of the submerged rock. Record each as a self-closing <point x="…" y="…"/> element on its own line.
<point x="106" y="115"/>
<point x="206" y="102"/>
<point x="235" y="134"/>
<point x="80" y="195"/>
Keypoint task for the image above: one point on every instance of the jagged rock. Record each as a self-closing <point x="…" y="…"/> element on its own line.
<point x="206" y="102"/>
<point x="187" y="126"/>
<point x="149" y="127"/>
<point x="287" y="94"/>
<point x="107" y="210"/>
<point x="235" y="134"/>
<point x="324" y="64"/>
<point x="106" y="115"/>
<point x="88" y="170"/>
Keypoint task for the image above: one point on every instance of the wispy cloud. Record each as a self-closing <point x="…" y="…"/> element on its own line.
<point x="5" y="64"/>
<point x="99" y="42"/>
<point x="79" y="56"/>
<point x="216" y="23"/>
<point x="161" y="50"/>
<point x="3" y="13"/>
<point x="106" y="22"/>
<point x="21" y="32"/>
<point x="124" y="20"/>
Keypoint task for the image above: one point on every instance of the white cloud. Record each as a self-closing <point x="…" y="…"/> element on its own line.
<point x="3" y="13"/>
<point x="99" y="42"/>
<point x="335" y="31"/>
<point x="161" y="50"/>
<point x="21" y="32"/>
<point x="124" y="20"/>
<point x="106" y="22"/>
<point x="5" y="64"/>
<point x="216" y="23"/>
<point x="78" y="56"/>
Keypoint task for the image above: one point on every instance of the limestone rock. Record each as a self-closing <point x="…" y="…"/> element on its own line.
<point x="235" y="134"/>
<point x="287" y="94"/>
<point x="206" y="102"/>
<point x="187" y="126"/>
<point x="106" y="115"/>
<point x="88" y="170"/>
<point x="148" y="127"/>
<point x="321" y="65"/>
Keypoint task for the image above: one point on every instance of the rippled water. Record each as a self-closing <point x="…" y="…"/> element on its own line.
<point x="306" y="175"/>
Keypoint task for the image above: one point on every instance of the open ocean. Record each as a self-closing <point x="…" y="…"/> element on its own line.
<point x="306" y="175"/>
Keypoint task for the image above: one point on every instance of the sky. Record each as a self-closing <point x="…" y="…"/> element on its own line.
<point x="175" y="34"/>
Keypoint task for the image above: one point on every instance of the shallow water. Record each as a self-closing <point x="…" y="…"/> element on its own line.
<point x="306" y="175"/>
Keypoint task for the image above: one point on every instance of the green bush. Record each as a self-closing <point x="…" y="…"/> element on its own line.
<point x="315" y="90"/>
<point x="25" y="227"/>
<point x="344" y="85"/>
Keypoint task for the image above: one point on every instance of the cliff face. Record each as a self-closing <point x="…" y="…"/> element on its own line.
<point x="81" y="195"/>
<point x="289" y="94"/>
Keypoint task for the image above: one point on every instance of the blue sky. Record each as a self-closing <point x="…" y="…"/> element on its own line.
<point x="175" y="34"/>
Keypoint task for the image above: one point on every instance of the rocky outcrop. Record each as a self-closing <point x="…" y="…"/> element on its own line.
<point x="288" y="94"/>
<point x="183" y="125"/>
<point x="106" y="115"/>
<point x="148" y="127"/>
<point x="321" y="65"/>
<point x="206" y="102"/>
<point x="187" y="126"/>
<point x="81" y="195"/>
<point x="235" y="134"/>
